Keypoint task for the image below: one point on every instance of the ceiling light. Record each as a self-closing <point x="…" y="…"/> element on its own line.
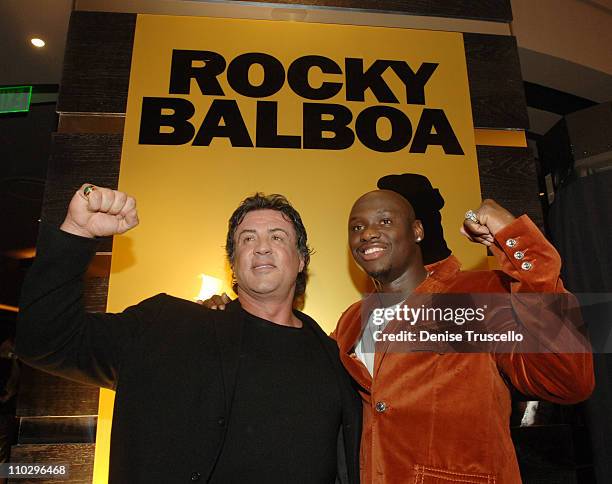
<point x="38" y="42"/>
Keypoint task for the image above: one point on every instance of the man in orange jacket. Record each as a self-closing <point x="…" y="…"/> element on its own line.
<point x="431" y="417"/>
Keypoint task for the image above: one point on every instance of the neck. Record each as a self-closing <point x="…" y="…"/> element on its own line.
<point x="275" y="310"/>
<point x="406" y="283"/>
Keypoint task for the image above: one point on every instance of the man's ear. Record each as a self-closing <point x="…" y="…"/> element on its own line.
<point x="418" y="231"/>
<point x="302" y="263"/>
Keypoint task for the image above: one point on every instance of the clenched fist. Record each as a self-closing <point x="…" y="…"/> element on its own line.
<point x="491" y="217"/>
<point x="100" y="212"/>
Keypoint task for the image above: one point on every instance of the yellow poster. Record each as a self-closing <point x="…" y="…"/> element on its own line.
<point x="219" y="109"/>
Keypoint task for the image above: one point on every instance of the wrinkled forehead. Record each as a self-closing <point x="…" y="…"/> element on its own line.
<point x="265" y="220"/>
<point x="382" y="201"/>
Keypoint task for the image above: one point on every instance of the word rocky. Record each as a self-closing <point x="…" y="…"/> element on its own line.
<point x="328" y="126"/>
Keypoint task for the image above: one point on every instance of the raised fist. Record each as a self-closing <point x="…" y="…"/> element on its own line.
<point x="99" y="212"/>
<point x="486" y="221"/>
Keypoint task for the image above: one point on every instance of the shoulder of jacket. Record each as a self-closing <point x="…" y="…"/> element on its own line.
<point x="154" y="305"/>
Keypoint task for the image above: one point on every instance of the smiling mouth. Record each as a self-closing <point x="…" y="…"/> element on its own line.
<point x="372" y="253"/>
<point x="263" y="267"/>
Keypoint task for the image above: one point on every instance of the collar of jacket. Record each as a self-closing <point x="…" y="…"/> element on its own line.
<point x="351" y="324"/>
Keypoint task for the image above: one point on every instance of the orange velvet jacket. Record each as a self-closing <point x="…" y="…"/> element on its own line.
<point x="438" y="418"/>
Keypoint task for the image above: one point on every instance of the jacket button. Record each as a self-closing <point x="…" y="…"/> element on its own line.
<point x="526" y="266"/>
<point x="518" y="255"/>
<point x="380" y="407"/>
<point x="510" y="243"/>
<point x="196" y="476"/>
<point x="221" y="422"/>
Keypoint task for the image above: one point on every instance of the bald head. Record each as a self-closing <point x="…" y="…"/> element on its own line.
<point x="384" y="235"/>
<point x="385" y="199"/>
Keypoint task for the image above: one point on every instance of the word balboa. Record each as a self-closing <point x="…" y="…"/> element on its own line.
<point x="166" y="120"/>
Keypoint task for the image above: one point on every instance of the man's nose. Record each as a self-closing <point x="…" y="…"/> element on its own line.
<point x="263" y="247"/>
<point x="370" y="233"/>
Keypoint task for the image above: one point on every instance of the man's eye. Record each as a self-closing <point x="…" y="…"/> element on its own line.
<point x="277" y="237"/>
<point x="248" y="238"/>
<point x="356" y="228"/>
<point x="386" y="221"/>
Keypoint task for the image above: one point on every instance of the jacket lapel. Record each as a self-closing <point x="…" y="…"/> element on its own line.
<point x="228" y="328"/>
<point x="351" y="407"/>
<point x="347" y="335"/>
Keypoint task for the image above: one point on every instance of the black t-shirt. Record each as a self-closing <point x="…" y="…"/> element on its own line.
<point x="286" y="413"/>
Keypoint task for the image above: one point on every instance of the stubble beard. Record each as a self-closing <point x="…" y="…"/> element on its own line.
<point x="381" y="275"/>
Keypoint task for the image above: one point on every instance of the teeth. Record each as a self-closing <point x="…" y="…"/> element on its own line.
<point x="371" y="250"/>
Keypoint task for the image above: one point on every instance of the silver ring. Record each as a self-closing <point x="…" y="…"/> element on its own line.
<point x="472" y="217"/>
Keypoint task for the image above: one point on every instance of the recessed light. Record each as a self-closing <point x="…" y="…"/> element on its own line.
<point x="38" y="42"/>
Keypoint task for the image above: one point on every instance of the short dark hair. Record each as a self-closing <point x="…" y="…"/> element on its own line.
<point x="277" y="202"/>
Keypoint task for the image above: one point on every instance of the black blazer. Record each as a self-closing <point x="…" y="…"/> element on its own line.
<point x="172" y="363"/>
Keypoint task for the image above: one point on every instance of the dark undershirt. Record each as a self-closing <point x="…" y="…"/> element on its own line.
<point x="286" y="413"/>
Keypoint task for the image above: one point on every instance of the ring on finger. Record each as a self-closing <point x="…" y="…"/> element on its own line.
<point x="88" y="189"/>
<point x="472" y="217"/>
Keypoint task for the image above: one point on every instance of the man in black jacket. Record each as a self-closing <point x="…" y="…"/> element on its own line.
<point x="253" y="394"/>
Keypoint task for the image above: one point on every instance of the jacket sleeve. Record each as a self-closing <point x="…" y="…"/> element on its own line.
<point x="561" y="368"/>
<point x="55" y="333"/>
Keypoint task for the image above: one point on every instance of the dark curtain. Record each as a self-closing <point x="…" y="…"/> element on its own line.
<point x="580" y="222"/>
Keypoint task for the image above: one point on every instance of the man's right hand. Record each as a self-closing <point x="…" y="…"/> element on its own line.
<point x="100" y="213"/>
<point x="216" y="301"/>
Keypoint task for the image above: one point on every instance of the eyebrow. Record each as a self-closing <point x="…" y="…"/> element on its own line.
<point x="253" y="231"/>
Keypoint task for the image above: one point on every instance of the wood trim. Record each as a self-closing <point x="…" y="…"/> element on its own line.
<point x="496" y="83"/>
<point x="73" y="155"/>
<point x="498" y="11"/>
<point x="92" y="124"/>
<point x="97" y="63"/>
<point x="44" y="395"/>
<point x="79" y="457"/>
<point x="508" y="175"/>
<point x="500" y="137"/>
<point x="53" y="430"/>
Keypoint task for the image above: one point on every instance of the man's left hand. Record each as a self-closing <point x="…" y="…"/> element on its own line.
<point x="492" y="217"/>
